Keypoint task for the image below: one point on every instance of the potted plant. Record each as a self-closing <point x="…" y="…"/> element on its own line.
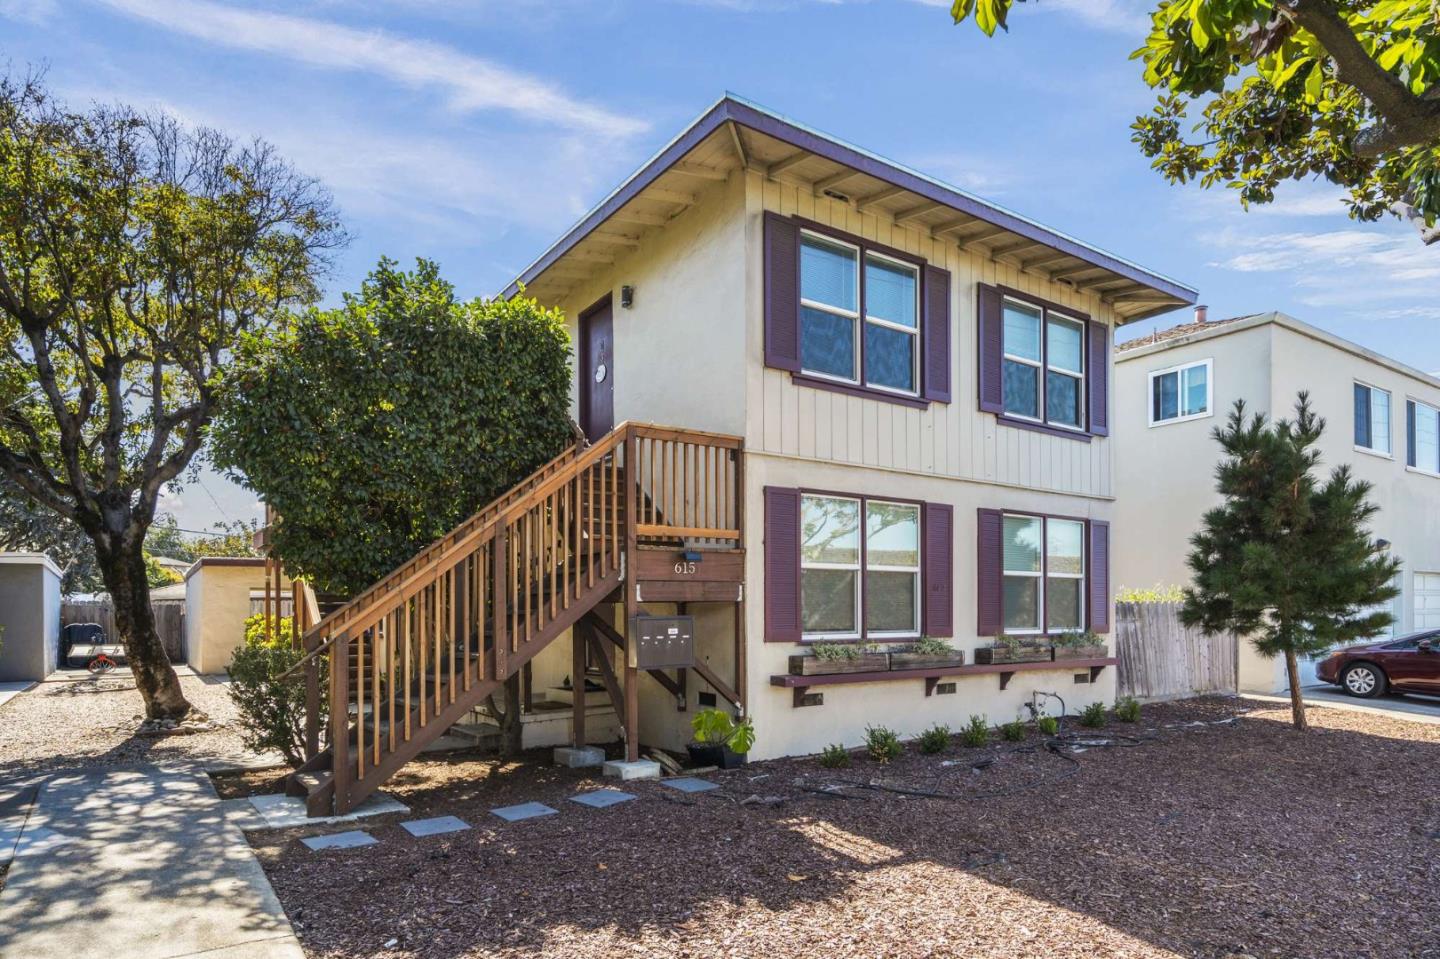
<point x="925" y="653"/>
<point x="1010" y="649"/>
<point x="825" y="658"/>
<point x="719" y="740"/>
<point x="1079" y="645"/>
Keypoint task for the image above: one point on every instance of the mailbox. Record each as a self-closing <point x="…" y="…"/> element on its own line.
<point x="665" y="642"/>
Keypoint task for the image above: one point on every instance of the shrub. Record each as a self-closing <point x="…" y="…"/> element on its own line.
<point x="1048" y="725"/>
<point x="1013" y="731"/>
<point x="715" y="727"/>
<point x="835" y="756"/>
<point x="935" y="739"/>
<point x="1128" y="710"/>
<point x="882" y="743"/>
<point x="1093" y="715"/>
<point x="976" y="733"/>
<point x="255" y="631"/>
<point x="272" y="710"/>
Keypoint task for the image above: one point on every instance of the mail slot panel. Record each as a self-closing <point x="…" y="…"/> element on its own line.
<point x="665" y="642"/>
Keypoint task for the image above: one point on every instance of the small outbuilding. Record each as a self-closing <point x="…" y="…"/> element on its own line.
<point x="29" y="616"/>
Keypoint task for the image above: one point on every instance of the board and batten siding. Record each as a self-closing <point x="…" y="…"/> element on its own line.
<point x="950" y="439"/>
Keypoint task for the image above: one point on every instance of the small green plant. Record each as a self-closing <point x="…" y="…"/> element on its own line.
<point x="1128" y="710"/>
<point x="835" y="756"/>
<point x="1093" y="715"/>
<point x="1006" y="641"/>
<point x="834" y="652"/>
<point x="926" y="646"/>
<point x="1078" y="638"/>
<point x="1013" y="731"/>
<point x="715" y="727"/>
<point x="1048" y="725"/>
<point x="882" y="743"/>
<point x="935" y="739"/>
<point x="976" y="732"/>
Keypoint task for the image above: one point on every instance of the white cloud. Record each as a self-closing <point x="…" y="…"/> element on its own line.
<point x="28" y="11"/>
<point x="977" y="173"/>
<point x="468" y="82"/>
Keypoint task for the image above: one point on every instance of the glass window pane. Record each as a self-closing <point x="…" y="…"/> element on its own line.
<point x="1196" y="399"/>
<point x="827" y="600"/>
<point x="827" y="343"/>
<point x="1062" y="398"/>
<point x="828" y="273"/>
<point x="1380" y="420"/>
<point x="1022" y="602"/>
<point x="889" y="358"/>
<point x="890" y="291"/>
<point x="829" y="530"/>
<point x="1362" y="416"/>
<point x="1064" y="345"/>
<point x="1167" y="396"/>
<point x="892" y="534"/>
<point x="1020" y="544"/>
<point x="1022" y="331"/>
<point x="1065" y="546"/>
<point x="1427" y="438"/>
<point x="1022" y="389"/>
<point x="1062" y="603"/>
<point x="890" y="601"/>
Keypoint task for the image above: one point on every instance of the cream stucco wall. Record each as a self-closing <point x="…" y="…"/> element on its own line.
<point x="217" y="603"/>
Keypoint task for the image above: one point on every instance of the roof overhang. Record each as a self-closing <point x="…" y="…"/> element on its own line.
<point x="735" y="133"/>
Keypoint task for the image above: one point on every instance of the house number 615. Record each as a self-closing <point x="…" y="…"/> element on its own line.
<point x="684" y="568"/>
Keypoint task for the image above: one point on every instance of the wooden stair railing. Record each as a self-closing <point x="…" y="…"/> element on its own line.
<point x="414" y="654"/>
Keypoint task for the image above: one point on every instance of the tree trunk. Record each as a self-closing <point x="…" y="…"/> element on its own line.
<point x="1297" y="702"/>
<point x="124" y="573"/>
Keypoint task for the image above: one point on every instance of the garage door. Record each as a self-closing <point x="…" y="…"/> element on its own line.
<point x="1427" y="601"/>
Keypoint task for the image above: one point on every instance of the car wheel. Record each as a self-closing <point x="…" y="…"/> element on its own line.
<point x="1365" y="680"/>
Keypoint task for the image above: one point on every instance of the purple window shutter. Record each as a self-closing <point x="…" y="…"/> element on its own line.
<point x="939" y="570"/>
<point x="1098" y="365"/>
<point x="782" y="293"/>
<point x="1098" y="563"/>
<point x="937" y="335"/>
<point x="989" y="599"/>
<point x="992" y="351"/>
<point x="782" y="565"/>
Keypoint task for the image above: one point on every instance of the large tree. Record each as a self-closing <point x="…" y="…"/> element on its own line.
<point x="29" y="526"/>
<point x="133" y="254"/>
<point x="1286" y="559"/>
<point x="1292" y="89"/>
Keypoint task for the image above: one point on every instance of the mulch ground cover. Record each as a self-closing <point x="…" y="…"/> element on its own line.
<point x="1209" y="829"/>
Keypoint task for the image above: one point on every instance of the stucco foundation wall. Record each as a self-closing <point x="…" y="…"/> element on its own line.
<point x="217" y="603"/>
<point x="30" y="615"/>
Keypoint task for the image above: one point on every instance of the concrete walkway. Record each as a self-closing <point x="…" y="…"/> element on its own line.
<point x="9" y="691"/>
<point x="140" y="863"/>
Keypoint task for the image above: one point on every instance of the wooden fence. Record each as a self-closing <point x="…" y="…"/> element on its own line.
<point x="1160" y="658"/>
<point x="169" y="622"/>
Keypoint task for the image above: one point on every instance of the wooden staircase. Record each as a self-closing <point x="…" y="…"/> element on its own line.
<point x="415" y="653"/>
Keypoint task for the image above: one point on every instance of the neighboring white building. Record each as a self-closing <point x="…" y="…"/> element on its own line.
<point x="1174" y="387"/>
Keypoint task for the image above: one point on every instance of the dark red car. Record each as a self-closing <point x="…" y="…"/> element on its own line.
<point x="1410" y="664"/>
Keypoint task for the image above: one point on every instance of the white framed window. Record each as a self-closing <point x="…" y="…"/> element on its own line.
<point x="859" y="580"/>
<point x="1424" y="426"/>
<point x="1181" y="393"/>
<point x="1043" y="365"/>
<point x="1372" y="419"/>
<point x="1042" y="574"/>
<point x="892" y="569"/>
<point x="859" y="315"/>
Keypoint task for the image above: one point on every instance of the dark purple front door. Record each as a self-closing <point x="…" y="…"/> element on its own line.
<point x="597" y="370"/>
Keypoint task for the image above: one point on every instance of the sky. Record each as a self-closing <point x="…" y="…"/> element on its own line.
<point x="473" y="132"/>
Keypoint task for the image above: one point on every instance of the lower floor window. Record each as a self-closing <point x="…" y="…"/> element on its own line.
<point x="859" y="567"/>
<point x="1043" y="570"/>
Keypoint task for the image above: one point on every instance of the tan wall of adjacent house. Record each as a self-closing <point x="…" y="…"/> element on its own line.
<point x="217" y="603"/>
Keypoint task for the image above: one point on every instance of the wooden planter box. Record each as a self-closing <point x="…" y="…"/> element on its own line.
<point x="927" y="660"/>
<point x="815" y="666"/>
<point x="1079" y="652"/>
<point x="992" y="655"/>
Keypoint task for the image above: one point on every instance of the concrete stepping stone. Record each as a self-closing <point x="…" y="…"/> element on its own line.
<point x="278" y="811"/>
<point x="638" y="769"/>
<point x="602" y="798"/>
<point x="689" y="784"/>
<point x="579" y="757"/>
<point x="434" y="827"/>
<point x="525" y="810"/>
<point x="341" y="840"/>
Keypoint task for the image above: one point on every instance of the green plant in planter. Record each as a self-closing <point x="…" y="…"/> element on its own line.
<point x="934" y="739"/>
<point x="926" y="646"/>
<point x="1093" y="715"/>
<point x="835" y="756"/>
<point x="976" y="733"/>
<point x="1076" y="638"/>
<point x="714" y="727"/>
<point x="1048" y="725"/>
<point x="1006" y="641"/>
<point x="834" y="652"/>
<point x="1128" y="710"/>
<point x="1013" y="731"/>
<point x="882" y="743"/>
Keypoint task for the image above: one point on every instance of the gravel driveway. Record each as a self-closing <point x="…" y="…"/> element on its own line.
<point x="1230" y="837"/>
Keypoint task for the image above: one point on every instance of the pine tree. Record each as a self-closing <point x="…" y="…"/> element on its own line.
<point x="1286" y="560"/>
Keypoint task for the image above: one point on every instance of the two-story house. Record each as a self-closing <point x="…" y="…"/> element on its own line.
<point x="1382" y="417"/>
<point x="886" y="415"/>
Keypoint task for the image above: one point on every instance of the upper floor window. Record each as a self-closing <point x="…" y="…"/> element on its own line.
<point x="1423" y="423"/>
<point x="1043" y="574"/>
<point x="1180" y="393"/>
<point x="1043" y="370"/>
<point x="859" y="315"/>
<point x="852" y="572"/>
<point x="1372" y="419"/>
